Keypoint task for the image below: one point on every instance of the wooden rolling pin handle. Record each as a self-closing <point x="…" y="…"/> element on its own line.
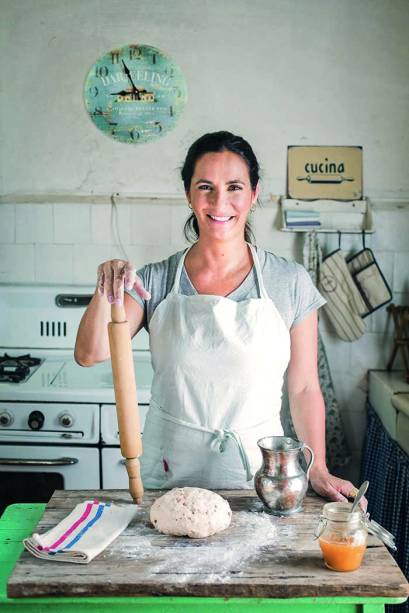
<point x="135" y="481"/>
<point x="118" y="314"/>
<point x="126" y="398"/>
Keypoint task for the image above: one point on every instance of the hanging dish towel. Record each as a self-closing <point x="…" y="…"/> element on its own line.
<point x="345" y="305"/>
<point x="83" y="534"/>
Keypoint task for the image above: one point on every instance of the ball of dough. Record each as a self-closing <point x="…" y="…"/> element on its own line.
<point x="190" y="511"/>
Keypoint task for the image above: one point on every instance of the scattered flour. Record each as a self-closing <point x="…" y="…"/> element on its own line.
<point x="217" y="556"/>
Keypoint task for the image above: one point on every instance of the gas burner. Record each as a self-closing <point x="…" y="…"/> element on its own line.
<point x="15" y="369"/>
<point x="13" y="374"/>
<point x="19" y="360"/>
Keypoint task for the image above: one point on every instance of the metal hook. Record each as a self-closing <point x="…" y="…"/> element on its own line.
<point x="363" y="239"/>
<point x="339" y="239"/>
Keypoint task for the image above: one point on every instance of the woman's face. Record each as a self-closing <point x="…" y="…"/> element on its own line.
<point x="221" y="194"/>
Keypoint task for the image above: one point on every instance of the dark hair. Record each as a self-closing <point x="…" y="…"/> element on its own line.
<point x="216" y="142"/>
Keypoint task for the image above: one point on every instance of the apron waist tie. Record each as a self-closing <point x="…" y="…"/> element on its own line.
<point x="218" y="442"/>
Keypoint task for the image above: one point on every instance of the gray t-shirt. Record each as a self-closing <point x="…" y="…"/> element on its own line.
<point x="287" y="283"/>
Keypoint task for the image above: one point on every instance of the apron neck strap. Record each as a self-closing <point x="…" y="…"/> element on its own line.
<point x="260" y="282"/>
<point x="256" y="264"/>
<point x="175" y="288"/>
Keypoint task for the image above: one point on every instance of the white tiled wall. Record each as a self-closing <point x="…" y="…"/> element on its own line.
<point x="7" y="224"/>
<point x="64" y="243"/>
<point x="350" y="361"/>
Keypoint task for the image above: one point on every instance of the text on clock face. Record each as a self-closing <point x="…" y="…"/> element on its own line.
<point x="147" y="76"/>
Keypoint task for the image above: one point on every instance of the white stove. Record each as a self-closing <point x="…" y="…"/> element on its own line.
<point x="60" y="377"/>
<point x="58" y="425"/>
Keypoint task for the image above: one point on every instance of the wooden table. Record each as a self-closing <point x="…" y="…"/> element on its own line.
<point x="287" y="575"/>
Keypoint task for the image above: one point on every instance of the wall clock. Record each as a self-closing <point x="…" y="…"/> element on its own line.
<point x="135" y="94"/>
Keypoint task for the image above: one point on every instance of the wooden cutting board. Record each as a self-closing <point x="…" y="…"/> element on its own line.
<point x="257" y="556"/>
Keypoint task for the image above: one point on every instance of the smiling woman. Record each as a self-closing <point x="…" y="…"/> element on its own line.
<point x="232" y="150"/>
<point x="226" y="320"/>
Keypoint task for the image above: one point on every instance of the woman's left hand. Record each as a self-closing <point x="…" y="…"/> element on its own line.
<point x="334" y="488"/>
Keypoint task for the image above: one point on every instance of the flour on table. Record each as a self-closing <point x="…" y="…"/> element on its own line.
<point x="250" y="534"/>
<point x="190" y="511"/>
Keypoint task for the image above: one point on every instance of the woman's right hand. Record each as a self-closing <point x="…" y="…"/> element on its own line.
<point x="114" y="275"/>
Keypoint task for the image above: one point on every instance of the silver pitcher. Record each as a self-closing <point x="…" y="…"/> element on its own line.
<point x="280" y="482"/>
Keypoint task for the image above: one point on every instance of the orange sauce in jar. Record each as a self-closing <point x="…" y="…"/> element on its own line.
<point x="342" y="555"/>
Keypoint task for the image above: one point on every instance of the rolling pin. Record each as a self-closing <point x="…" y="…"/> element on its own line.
<point x="125" y="397"/>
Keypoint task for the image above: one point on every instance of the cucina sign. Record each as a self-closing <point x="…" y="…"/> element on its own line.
<point x="324" y="172"/>
<point x="326" y="167"/>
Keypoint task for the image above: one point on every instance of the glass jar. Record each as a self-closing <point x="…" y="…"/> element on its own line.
<point x="342" y="536"/>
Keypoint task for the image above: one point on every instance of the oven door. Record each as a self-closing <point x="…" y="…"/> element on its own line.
<point x="31" y="473"/>
<point x="114" y="475"/>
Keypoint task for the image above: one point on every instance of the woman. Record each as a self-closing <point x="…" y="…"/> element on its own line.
<point x="226" y="320"/>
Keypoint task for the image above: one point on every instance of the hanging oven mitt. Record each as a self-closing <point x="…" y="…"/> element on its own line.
<point x="369" y="280"/>
<point x="344" y="302"/>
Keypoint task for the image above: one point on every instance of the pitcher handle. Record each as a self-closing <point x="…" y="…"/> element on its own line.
<point x="309" y="466"/>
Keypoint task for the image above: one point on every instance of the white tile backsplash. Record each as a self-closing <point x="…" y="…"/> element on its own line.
<point x="53" y="263"/>
<point x="401" y="272"/>
<point x="86" y="259"/>
<point x="401" y="298"/>
<point x="34" y="223"/>
<point x="17" y="263"/>
<point x="350" y="389"/>
<point x="370" y="351"/>
<point x="72" y="224"/>
<point x="139" y="255"/>
<point x="157" y="253"/>
<point x="110" y="226"/>
<point x="7" y="223"/>
<point x="391" y="231"/>
<point x="151" y="225"/>
<point x="179" y="216"/>
<point x="380" y="321"/>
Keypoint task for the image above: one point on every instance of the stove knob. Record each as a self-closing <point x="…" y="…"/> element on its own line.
<point x="36" y="420"/>
<point x="6" y="419"/>
<point x="66" y="420"/>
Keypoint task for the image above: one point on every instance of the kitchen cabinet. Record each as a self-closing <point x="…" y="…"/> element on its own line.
<point x="385" y="459"/>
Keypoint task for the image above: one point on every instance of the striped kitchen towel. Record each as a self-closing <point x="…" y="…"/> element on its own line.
<point x="83" y="534"/>
<point x="344" y="302"/>
<point x="295" y="219"/>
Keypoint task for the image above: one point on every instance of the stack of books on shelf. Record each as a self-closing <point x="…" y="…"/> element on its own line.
<point x="301" y="219"/>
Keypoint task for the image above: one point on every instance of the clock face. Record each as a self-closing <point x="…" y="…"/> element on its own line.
<point x="135" y="94"/>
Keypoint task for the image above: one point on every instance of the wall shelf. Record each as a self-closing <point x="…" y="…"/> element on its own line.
<point x="347" y="217"/>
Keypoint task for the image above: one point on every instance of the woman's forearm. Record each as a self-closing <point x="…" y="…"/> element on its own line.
<point x="308" y="415"/>
<point x="92" y="343"/>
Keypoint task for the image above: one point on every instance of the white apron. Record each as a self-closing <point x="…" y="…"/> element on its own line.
<point x="218" y="375"/>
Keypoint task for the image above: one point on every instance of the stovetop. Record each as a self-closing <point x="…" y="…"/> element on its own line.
<point x="58" y="378"/>
<point x="43" y="320"/>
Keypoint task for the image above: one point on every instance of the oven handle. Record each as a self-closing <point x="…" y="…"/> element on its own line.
<point x="38" y="462"/>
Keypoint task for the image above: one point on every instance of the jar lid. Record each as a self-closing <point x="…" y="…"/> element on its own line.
<point x="382" y="533"/>
<point x="341" y="512"/>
